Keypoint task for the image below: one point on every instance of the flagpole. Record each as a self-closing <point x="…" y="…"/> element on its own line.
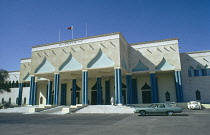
<point x="59" y="35"/>
<point x="86" y="29"/>
<point x="72" y="32"/>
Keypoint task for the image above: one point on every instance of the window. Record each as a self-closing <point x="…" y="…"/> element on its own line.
<point x="41" y="100"/>
<point x="196" y="72"/>
<point x="161" y="106"/>
<point x="10" y="99"/>
<point x="2" y="100"/>
<point x="167" y="94"/>
<point x="204" y="71"/>
<point x="17" y="100"/>
<point x="191" y="71"/>
<point x="24" y="102"/>
<point x="208" y="72"/>
<point x="198" y="95"/>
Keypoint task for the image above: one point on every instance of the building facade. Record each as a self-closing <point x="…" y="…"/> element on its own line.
<point x="91" y="70"/>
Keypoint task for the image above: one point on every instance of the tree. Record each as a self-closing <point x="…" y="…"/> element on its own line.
<point x="4" y="84"/>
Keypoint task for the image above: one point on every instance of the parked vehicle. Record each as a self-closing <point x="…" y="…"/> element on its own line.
<point x="158" y="108"/>
<point x="194" y="105"/>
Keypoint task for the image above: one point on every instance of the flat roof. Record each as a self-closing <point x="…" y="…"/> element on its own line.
<point x="154" y="41"/>
<point x="205" y="51"/>
<point x="78" y="39"/>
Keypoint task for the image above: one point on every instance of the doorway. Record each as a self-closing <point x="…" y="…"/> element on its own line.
<point x="146" y="94"/>
<point x="93" y="97"/>
<point x="146" y="97"/>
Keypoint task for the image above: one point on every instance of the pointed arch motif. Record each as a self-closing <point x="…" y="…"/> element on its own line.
<point x="45" y="66"/>
<point x="27" y="77"/>
<point x="70" y="64"/>
<point x="198" y="71"/>
<point x="164" y="65"/>
<point x="140" y="67"/>
<point x="100" y="60"/>
<point x="206" y="66"/>
<point x="146" y="87"/>
<point x="191" y="68"/>
<point x="198" y="67"/>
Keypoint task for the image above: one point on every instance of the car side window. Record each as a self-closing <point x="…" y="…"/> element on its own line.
<point x="161" y="106"/>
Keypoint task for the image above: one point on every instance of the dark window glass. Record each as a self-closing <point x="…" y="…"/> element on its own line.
<point x="25" y="100"/>
<point x="196" y="72"/>
<point x="167" y="94"/>
<point x="204" y="72"/>
<point x="17" y="100"/>
<point x="41" y="100"/>
<point x="198" y="95"/>
<point x="189" y="73"/>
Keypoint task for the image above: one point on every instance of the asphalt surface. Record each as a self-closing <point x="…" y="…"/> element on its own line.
<point x="190" y="122"/>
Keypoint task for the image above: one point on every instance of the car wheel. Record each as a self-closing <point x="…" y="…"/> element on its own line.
<point x="170" y="113"/>
<point x="142" y="113"/>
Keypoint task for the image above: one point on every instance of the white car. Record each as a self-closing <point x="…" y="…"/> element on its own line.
<point x="194" y="105"/>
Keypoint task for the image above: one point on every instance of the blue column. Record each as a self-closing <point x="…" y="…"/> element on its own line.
<point x="99" y="91"/>
<point x="84" y="87"/>
<point x="56" y="88"/>
<point x="119" y="76"/>
<point x="73" y="94"/>
<point x="129" y="89"/>
<point x="178" y="82"/>
<point x="134" y="99"/>
<point x="49" y="93"/>
<point x="154" y="89"/>
<point x="34" y="93"/>
<point x="20" y="93"/>
<point x="116" y="86"/>
<point x="31" y="90"/>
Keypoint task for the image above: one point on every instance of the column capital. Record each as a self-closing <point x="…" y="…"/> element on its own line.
<point x="177" y="70"/>
<point x="128" y="73"/>
<point x="153" y="72"/>
<point x="36" y="79"/>
<point x="56" y="73"/>
<point x="84" y="70"/>
<point x="98" y="76"/>
<point x="117" y="67"/>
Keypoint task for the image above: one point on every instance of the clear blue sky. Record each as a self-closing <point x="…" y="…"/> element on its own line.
<point x="26" y="23"/>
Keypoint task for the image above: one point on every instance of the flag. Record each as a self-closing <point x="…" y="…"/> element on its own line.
<point x="70" y="28"/>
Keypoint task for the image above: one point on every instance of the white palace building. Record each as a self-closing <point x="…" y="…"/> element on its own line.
<point x="91" y="70"/>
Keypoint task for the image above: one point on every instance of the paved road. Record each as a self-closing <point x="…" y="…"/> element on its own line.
<point x="190" y="122"/>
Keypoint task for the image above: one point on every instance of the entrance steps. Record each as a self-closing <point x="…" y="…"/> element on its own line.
<point x="53" y="110"/>
<point x="106" y="109"/>
<point x="57" y="109"/>
<point x="22" y="109"/>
